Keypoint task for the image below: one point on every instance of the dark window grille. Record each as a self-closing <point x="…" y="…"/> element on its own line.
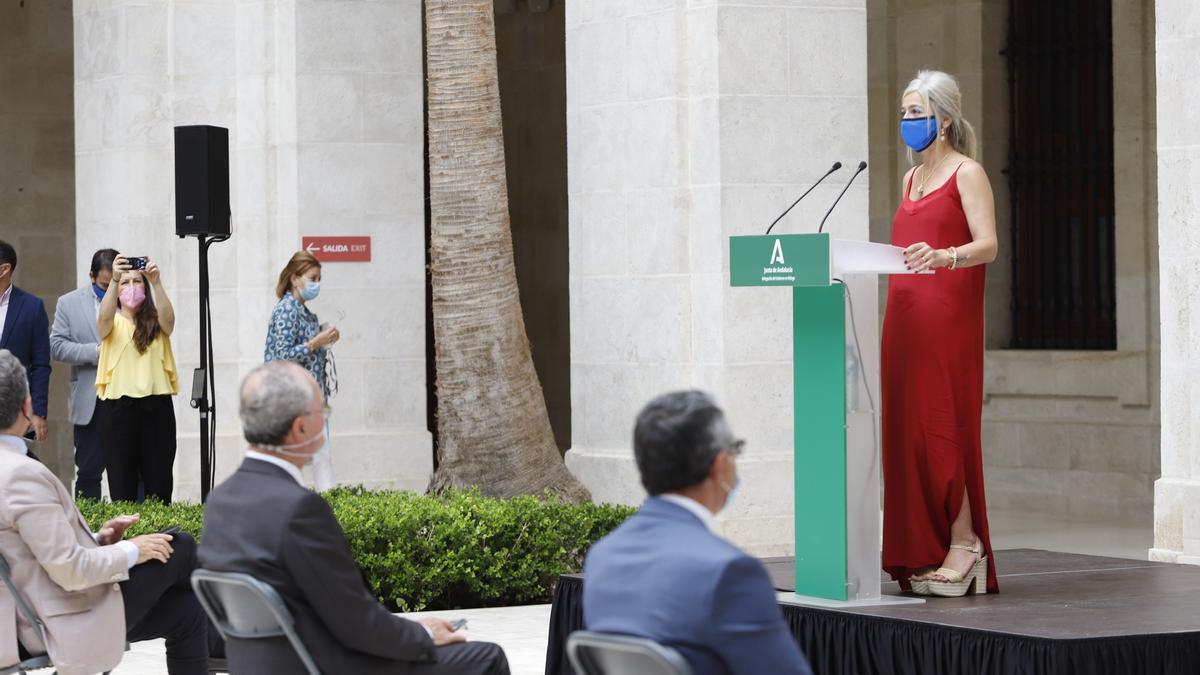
<point x="1060" y="174"/>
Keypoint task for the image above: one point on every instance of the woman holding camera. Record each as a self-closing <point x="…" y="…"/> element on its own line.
<point x="295" y="334"/>
<point x="135" y="381"/>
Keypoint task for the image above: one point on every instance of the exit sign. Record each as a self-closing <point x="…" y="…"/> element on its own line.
<point x="338" y="249"/>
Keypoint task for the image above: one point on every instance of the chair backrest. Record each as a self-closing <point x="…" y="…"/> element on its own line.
<point x="22" y="606"/>
<point x="245" y="608"/>
<point x="26" y="611"/>
<point x="609" y="654"/>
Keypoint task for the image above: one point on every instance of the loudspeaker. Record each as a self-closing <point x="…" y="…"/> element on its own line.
<point x="201" y="181"/>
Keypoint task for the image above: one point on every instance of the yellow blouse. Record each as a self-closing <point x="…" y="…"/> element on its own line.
<point x="122" y="371"/>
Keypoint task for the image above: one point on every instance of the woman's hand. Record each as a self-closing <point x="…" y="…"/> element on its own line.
<point x="921" y="256"/>
<point x="327" y="336"/>
<point x="120" y="266"/>
<point x="152" y="273"/>
<point x="108" y="306"/>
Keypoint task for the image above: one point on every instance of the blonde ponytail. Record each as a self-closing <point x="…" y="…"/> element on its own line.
<point x="962" y="137"/>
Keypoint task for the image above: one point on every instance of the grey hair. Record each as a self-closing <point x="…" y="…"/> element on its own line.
<point x="676" y="438"/>
<point x="941" y="93"/>
<point x="14" y="388"/>
<point x="273" y="396"/>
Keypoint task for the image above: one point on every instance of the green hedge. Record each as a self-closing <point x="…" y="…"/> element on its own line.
<point x="454" y="550"/>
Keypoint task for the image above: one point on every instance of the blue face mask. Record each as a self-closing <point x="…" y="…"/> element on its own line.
<point x="311" y="290"/>
<point x="98" y="291"/>
<point x="918" y="132"/>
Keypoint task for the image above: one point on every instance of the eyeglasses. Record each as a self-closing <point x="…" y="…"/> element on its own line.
<point x="735" y="447"/>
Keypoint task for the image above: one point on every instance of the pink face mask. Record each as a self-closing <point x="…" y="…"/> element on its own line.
<point x="132" y="296"/>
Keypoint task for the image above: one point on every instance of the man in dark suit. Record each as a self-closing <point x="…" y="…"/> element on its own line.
<point x="665" y="574"/>
<point x="25" y="331"/>
<point x="74" y="340"/>
<point x="265" y="523"/>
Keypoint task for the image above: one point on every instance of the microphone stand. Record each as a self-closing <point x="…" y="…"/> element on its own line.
<point x="835" y="167"/>
<point x="861" y="167"/>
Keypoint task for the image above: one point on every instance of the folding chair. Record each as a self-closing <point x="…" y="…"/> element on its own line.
<point x="33" y="662"/>
<point x="245" y="608"/>
<point x="609" y="654"/>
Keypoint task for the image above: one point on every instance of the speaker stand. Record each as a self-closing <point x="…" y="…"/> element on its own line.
<point x="204" y="377"/>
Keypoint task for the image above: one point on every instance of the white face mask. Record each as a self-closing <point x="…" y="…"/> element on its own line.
<point x="282" y="449"/>
<point x="730" y="492"/>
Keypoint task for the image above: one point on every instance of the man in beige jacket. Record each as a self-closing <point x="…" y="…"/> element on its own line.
<point x="92" y="592"/>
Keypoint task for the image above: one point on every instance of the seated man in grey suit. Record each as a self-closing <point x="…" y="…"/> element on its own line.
<point x="665" y="574"/>
<point x="92" y="592"/>
<point x="265" y="523"/>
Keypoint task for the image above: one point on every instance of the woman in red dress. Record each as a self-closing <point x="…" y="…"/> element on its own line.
<point x="935" y="532"/>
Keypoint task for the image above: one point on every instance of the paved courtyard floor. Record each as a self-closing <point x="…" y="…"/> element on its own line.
<point x="522" y="631"/>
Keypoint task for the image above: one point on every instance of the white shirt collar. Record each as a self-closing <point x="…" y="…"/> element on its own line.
<point x="281" y="463"/>
<point x="14" y="443"/>
<point x="4" y="297"/>
<point x="696" y="508"/>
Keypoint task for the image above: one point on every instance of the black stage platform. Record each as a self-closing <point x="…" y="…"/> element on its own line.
<point x="1056" y="613"/>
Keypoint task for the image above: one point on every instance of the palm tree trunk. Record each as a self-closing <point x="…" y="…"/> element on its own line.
<point x="493" y="428"/>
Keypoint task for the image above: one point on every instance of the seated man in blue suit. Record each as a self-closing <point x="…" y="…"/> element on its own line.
<point x="665" y="574"/>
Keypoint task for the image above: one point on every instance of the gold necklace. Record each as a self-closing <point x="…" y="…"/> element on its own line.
<point x="928" y="174"/>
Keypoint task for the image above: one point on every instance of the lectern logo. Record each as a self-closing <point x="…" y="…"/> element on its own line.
<point x="778" y="270"/>
<point x="777" y="254"/>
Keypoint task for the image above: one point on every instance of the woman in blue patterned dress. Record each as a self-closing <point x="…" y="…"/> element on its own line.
<point x="295" y="334"/>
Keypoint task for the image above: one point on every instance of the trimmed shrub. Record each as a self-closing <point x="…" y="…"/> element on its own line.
<point x="417" y="551"/>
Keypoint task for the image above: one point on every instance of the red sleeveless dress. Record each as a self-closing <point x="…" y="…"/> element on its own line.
<point x="932" y="379"/>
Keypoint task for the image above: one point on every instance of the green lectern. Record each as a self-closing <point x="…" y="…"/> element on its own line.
<point x="837" y="516"/>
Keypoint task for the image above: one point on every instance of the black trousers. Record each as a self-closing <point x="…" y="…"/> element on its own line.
<point x="159" y="603"/>
<point x="89" y="458"/>
<point x="465" y="658"/>
<point x="139" y="444"/>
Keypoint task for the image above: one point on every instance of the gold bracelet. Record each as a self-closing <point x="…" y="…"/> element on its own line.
<point x="953" y="257"/>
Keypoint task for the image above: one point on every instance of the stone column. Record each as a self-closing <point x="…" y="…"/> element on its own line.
<point x="689" y="123"/>
<point x="1177" y="493"/>
<point x="323" y="102"/>
<point x="36" y="167"/>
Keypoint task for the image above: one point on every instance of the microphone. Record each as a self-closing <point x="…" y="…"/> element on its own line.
<point x="862" y="166"/>
<point x="835" y="167"/>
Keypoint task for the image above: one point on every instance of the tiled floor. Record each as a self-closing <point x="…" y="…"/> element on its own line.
<point x="522" y="630"/>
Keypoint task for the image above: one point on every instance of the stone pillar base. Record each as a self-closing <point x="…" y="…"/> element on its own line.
<point x="1176" y="521"/>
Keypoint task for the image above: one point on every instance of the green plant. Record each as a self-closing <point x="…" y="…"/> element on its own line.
<point x="418" y="551"/>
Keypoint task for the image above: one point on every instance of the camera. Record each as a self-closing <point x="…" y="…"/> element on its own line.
<point x="137" y="263"/>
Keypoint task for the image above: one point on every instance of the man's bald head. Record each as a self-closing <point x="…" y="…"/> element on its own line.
<point x="273" y="396"/>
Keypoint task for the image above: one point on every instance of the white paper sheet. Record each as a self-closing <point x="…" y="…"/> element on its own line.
<point x="853" y="256"/>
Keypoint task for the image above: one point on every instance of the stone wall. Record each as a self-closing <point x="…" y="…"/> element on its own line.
<point x="688" y="123"/>
<point x="1177" y="493"/>
<point x="37" y="178"/>
<point x="530" y="51"/>
<point x="324" y="105"/>
<point x="1067" y="433"/>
